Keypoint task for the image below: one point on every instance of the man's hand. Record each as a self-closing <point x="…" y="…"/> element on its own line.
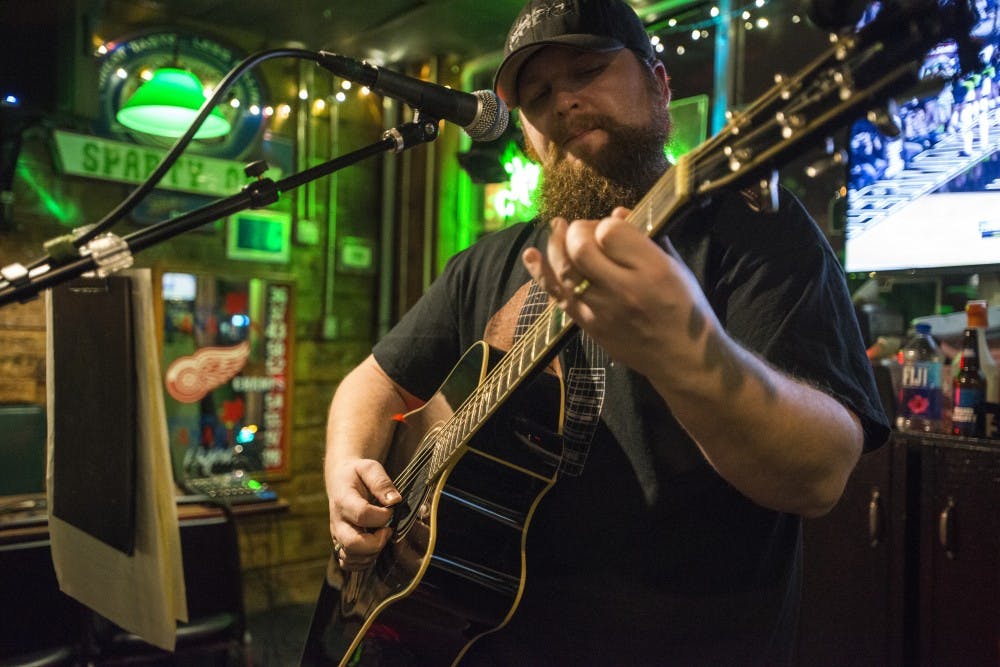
<point x="361" y="497"/>
<point x="637" y="299"/>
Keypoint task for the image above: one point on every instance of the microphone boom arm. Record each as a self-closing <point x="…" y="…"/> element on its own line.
<point x="24" y="285"/>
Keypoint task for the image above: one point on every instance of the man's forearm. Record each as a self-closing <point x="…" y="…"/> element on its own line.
<point x="782" y="443"/>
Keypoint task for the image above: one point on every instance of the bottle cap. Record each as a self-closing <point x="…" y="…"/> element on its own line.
<point x="977" y="313"/>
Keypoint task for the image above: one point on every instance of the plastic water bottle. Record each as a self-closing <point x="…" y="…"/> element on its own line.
<point x="920" y="392"/>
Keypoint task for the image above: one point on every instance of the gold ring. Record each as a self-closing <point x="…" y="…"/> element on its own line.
<point x="581" y="287"/>
<point x="337" y="546"/>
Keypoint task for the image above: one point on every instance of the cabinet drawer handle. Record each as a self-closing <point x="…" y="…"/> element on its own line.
<point x="876" y="519"/>
<point x="947" y="528"/>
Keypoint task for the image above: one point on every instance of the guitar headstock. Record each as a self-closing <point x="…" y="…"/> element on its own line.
<point x="859" y="72"/>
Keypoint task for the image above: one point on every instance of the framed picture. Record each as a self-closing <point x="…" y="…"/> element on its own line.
<point x="260" y="235"/>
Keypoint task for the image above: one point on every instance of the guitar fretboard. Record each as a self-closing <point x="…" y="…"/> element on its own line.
<point x="543" y="338"/>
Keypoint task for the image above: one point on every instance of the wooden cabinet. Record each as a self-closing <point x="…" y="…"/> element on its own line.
<point x="852" y="578"/>
<point x="960" y="555"/>
<point x="906" y="569"/>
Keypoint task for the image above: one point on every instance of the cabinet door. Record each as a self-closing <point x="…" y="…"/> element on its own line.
<point x="849" y="577"/>
<point x="960" y="557"/>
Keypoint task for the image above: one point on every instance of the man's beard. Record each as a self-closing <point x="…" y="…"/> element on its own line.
<point x="618" y="176"/>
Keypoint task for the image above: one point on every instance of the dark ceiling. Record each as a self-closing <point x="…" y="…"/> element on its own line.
<point x="382" y="30"/>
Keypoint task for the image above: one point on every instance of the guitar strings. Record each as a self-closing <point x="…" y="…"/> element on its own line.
<point x="458" y="422"/>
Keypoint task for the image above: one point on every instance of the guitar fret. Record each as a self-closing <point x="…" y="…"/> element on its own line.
<point x="487" y="399"/>
<point x="558" y="323"/>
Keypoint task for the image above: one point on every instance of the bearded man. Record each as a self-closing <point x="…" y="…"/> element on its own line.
<point x="716" y="390"/>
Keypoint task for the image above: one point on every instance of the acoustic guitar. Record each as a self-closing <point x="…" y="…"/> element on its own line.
<point x="483" y="456"/>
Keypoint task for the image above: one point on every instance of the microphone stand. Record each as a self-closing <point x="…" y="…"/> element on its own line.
<point x="108" y="253"/>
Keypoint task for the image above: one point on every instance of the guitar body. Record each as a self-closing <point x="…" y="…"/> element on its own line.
<point x="455" y="567"/>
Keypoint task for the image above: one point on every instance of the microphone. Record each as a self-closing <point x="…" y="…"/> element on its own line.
<point x="481" y="114"/>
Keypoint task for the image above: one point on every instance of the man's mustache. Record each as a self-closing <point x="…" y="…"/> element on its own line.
<point x="565" y="129"/>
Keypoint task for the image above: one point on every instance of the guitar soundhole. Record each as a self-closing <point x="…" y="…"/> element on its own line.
<point x="414" y="507"/>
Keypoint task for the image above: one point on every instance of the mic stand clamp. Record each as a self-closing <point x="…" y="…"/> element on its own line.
<point x="422" y="130"/>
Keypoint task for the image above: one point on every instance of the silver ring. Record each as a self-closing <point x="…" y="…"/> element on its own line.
<point x="581" y="287"/>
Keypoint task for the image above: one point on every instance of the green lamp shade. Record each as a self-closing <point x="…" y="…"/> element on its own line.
<point x="167" y="104"/>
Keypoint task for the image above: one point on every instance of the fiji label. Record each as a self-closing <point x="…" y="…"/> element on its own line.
<point x="920" y="393"/>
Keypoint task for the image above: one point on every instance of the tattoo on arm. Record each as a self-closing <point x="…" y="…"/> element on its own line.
<point x="717" y="357"/>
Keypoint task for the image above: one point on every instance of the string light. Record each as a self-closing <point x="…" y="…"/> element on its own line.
<point x="689" y="21"/>
<point x="698" y="24"/>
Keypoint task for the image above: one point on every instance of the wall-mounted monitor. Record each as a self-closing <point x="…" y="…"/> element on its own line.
<point x="928" y="200"/>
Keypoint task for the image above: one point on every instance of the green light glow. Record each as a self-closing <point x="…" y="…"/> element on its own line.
<point x="254" y="485"/>
<point x="167" y="104"/>
<point x="517" y="199"/>
<point x="689" y="125"/>
<point x="66" y="215"/>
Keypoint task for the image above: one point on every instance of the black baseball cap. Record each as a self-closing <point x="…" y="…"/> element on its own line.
<point x="590" y="25"/>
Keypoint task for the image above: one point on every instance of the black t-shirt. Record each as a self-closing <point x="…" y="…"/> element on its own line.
<point x="648" y="556"/>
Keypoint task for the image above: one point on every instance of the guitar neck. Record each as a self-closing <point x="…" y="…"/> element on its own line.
<point x="547" y="334"/>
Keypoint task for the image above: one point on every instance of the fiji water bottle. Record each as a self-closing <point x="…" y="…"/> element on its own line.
<point x="920" y="392"/>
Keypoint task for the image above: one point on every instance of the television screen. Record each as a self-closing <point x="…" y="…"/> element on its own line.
<point x="929" y="198"/>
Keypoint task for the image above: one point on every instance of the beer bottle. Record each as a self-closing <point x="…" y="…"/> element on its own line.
<point x="969" y="389"/>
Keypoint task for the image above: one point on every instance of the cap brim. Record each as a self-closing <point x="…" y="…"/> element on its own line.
<point x="505" y="81"/>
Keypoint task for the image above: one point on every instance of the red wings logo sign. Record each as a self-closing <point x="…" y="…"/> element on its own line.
<point x="190" y="378"/>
